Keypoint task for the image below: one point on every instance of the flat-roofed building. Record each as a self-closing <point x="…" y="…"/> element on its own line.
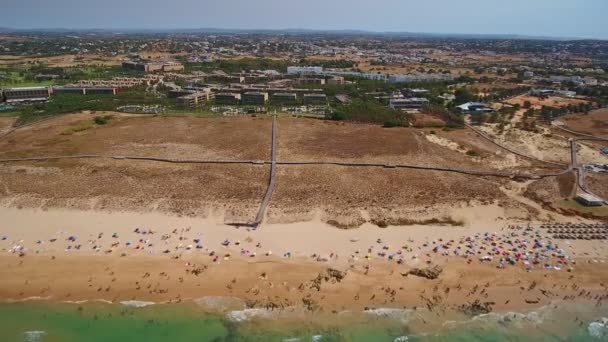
<point x="153" y="66"/>
<point x="302" y="92"/>
<point x="85" y="90"/>
<point x="26" y="94"/>
<point x="68" y="90"/>
<point x="234" y="78"/>
<point x="284" y="98"/>
<point x="565" y="93"/>
<point x="335" y="80"/>
<point x="280" y="83"/>
<point x="589" y="200"/>
<point x="193" y="100"/>
<point x="411" y="103"/>
<point x="447" y="97"/>
<point x="475" y="107"/>
<point x="315" y="99"/>
<point x="310" y="80"/>
<point x="100" y="90"/>
<point x="254" y="98"/>
<point x="179" y="93"/>
<point x="254" y="78"/>
<point x="307" y="70"/>
<point x="172" y="66"/>
<point x="407" y="92"/>
<point x="227" y="98"/>
<point x="116" y="82"/>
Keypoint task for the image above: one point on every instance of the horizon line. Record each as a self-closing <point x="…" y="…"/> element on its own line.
<point x="296" y="30"/>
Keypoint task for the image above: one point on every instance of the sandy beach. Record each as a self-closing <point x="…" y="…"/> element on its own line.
<point x="77" y="255"/>
<point x="333" y="240"/>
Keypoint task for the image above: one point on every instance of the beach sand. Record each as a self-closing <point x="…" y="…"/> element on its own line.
<point x="311" y="264"/>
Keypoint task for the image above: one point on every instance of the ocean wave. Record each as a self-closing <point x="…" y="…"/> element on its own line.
<point x="404" y="315"/>
<point x="84" y="301"/>
<point x="598" y="329"/>
<point x="247" y="314"/>
<point x="136" y="303"/>
<point x="314" y="338"/>
<point x="26" y="299"/>
<point x="33" y="335"/>
<point x="220" y="303"/>
<point x="511" y="318"/>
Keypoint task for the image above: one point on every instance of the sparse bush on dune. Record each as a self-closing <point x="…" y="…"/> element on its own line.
<point x="102" y="120"/>
<point x="383" y="222"/>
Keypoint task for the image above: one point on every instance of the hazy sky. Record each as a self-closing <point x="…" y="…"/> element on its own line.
<point x="564" y="18"/>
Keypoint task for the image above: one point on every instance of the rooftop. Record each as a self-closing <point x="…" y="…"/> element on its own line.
<point x="27" y="88"/>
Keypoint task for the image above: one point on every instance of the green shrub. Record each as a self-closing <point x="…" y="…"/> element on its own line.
<point x="389" y="124"/>
<point x="102" y="120"/>
<point x="472" y="153"/>
<point x="83" y="126"/>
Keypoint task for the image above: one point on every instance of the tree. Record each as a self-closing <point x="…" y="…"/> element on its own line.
<point x="464" y="95"/>
<point x="527" y="104"/>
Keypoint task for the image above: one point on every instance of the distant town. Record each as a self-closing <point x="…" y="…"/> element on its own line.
<point x="334" y="77"/>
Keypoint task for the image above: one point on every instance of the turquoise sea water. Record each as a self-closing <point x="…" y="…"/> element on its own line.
<point x="66" y="322"/>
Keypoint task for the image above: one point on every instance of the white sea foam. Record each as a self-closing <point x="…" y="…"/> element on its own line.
<point x="220" y="303"/>
<point x="536" y="317"/>
<point x="389" y="312"/>
<point x="88" y="301"/>
<point x="34" y="335"/>
<point x="26" y="299"/>
<point x="247" y="314"/>
<point x="403" y="315"/>
<point x="136" y="303"/>
<point x="511" y="318"/>
<point x="598" y="329"/>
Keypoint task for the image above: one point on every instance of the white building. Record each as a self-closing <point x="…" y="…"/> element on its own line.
<point x="590" y="81"/>
<point x="565" y="93"/>
<point x="475" y="107"/>
<point x="377" y="77"/>
<point x="412" y="103"/>
<point x="307" y="70"/>
<point x="447" y="97"/>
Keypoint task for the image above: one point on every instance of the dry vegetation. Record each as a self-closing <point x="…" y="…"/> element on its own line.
<point x="594" y="123"/>
<point x="69" y="60"/>
<point x="344" y="195"/>
<point x="552" y="101"/>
